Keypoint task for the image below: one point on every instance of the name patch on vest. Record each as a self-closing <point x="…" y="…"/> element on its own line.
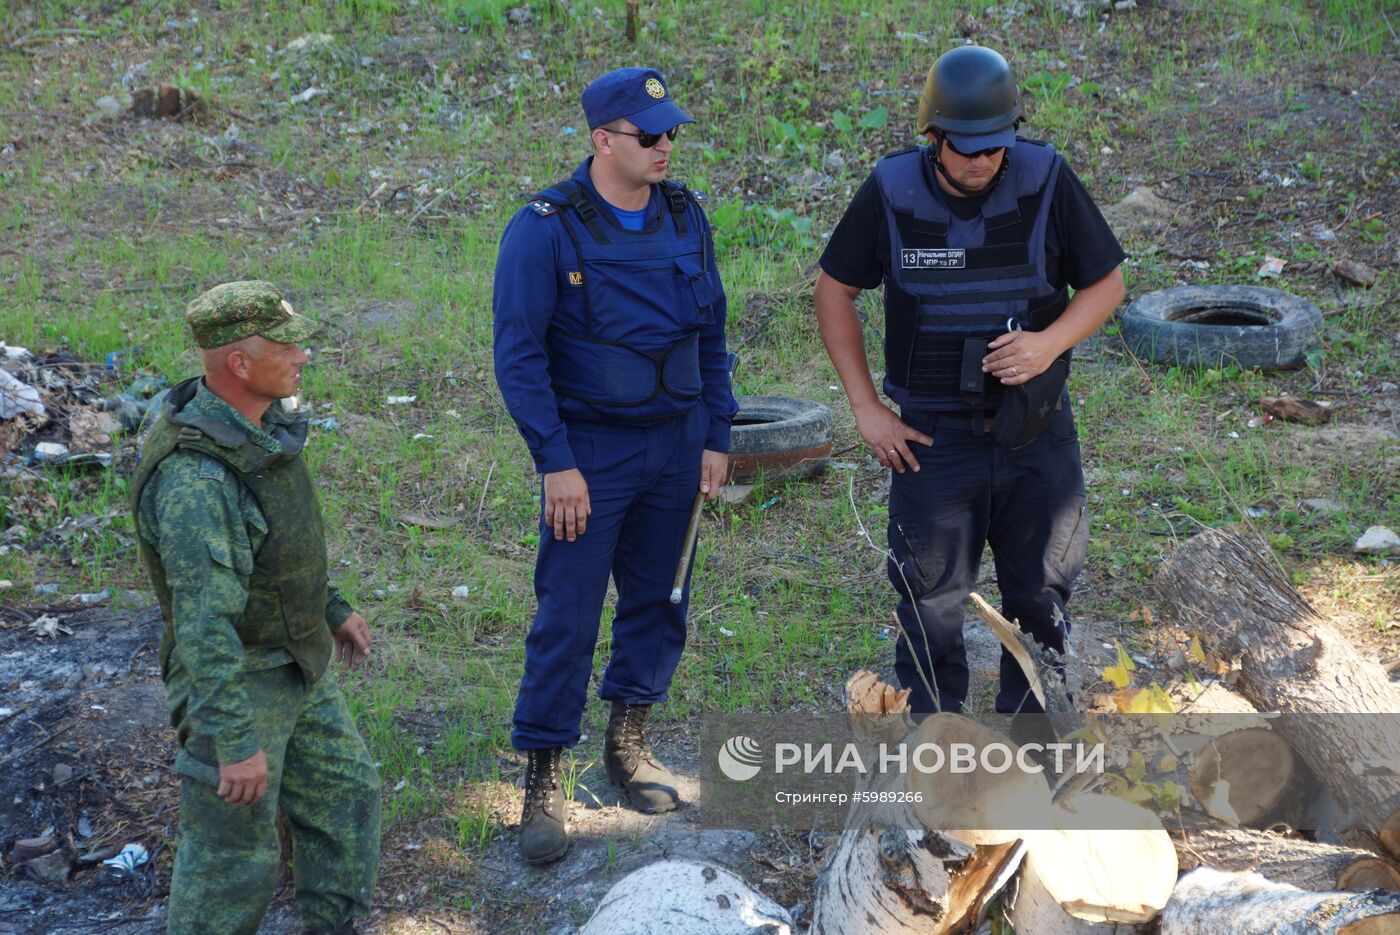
<point x="950" y="258"/>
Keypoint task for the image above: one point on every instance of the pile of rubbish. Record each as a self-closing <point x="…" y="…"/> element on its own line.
<point x="57" y="409"/>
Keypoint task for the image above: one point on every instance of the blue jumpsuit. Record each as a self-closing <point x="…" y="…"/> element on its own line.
<point x="610" y="355"/>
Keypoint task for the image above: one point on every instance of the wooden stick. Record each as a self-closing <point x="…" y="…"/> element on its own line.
<point x="691" y="534"/>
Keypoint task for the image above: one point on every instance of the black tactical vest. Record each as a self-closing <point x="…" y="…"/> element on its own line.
<point x="951" y="280"/>
<point x="287" y="586"/>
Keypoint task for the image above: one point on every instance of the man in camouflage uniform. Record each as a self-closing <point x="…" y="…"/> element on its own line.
<point x="230" y="531"/>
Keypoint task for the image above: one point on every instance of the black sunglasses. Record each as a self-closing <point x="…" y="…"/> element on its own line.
<point x="648" y="140"/>
<point x="988" y="152"/>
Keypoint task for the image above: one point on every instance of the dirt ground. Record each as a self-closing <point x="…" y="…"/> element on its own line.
<point x="76" y="705"/>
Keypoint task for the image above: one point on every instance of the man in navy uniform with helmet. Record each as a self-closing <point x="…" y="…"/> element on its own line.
<point x="978" y="239"/>
<point x="610" y="354"/>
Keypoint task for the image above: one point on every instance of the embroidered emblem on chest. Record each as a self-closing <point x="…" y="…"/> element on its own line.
<point x="950" y="258"/>
<point x="575" y="278"/>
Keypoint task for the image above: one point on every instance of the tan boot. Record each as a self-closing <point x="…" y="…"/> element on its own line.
<point x="631" y="764"/>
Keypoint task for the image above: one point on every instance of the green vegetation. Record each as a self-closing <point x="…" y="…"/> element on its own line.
<point x="378" y="204"/>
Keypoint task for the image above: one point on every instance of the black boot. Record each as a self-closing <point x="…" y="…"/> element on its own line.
<point x="650" y="787"/>
<point x="544" y="834"/>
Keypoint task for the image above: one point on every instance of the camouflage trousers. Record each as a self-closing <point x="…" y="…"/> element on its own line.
<point x="320" y="775"/>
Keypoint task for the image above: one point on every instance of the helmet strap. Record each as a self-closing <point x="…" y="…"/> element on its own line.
<point x="939" y="136"/>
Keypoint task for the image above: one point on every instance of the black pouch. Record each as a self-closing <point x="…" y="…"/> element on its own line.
<point x="1026" y="409"/>
<point x="971" y="379"/>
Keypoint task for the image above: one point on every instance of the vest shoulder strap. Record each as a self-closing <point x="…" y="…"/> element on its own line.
<point x="679" y="199"/>
<point x="569" y="193"/>
<point x="901" y="180"/>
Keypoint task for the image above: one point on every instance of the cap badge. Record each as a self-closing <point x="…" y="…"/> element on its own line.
<point x="287" y="307"/>
<point x="655" y="88"/>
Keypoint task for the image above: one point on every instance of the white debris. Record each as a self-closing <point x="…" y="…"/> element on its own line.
<point x="312" y="40"/>
<point x="461" y="591"/>
<point x="1378" y="540"/>
<point x="308" y="94"/>
<point x="401" y="400"/>
<point x="16" y="396"/>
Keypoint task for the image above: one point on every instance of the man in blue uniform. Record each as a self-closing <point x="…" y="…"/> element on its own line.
<point x="610" y="354"/>
<point x="978" y="239"/>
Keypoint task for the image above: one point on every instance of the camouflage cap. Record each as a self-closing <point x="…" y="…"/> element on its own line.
<point x="237" y="310"/>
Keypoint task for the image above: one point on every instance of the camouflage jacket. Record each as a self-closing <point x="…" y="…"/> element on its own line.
<point x="207" y="527"/>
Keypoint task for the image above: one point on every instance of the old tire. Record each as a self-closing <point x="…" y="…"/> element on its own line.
<point x="777" y="436"/>
<point x="1215" y="326"/>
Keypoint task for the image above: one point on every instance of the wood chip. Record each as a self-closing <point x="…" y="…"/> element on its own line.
<point x="1358" y="274"/>
<point x="1294" y="409"/>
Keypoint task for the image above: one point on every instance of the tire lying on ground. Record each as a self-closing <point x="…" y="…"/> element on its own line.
<point x="1214" y="326"/>
<point x="778" y="436"/>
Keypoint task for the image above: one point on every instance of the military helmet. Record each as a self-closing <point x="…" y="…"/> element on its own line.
<point x="969" y="91"/>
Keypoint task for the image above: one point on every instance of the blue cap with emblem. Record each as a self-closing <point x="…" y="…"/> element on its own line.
<point x="637" y="94"/>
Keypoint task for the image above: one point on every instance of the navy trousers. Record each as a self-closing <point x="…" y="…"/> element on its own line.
<point x="1028" y="504"/>
<point x="642" y="481"/>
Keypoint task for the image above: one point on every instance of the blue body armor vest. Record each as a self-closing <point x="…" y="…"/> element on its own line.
<point x="647" y="295"/>
<point x="953" y="281"/>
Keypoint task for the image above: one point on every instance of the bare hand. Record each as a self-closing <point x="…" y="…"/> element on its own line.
<point x="352" y="641"/>
<point x="244" y="782"/>
<point x="714" y="469"/>
<point x="566" y="507"/>
<point x="1017" y="356"/>
<point x="889" y="437"/>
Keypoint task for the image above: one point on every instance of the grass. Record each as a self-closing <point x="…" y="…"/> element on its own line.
<point x="111" y="226"/>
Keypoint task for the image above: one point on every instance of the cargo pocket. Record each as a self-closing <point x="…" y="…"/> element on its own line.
<point x="696" y="286"/>
<point x="1070" y="554"/>
<point x="198" y="760"/>
<point x="906" y="567"/>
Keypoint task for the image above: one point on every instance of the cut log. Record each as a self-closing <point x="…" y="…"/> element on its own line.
<point x="1209" y="902"/>
<point x="977" y="882"/>
<point x="1106" y="866"/>
<point x="888" y="873"/>
<point x="979" y="807"/>
<point x="1251" y="777"/>
<point x="1228" y="588"/>
<point x="891" y="881"/>
<point x="885" y="874"/>
<point x="1281" y="858"/>
<point x="1389" y="835"/>
<point x="682" y="896"/>
<point x="1369" y="873"/>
